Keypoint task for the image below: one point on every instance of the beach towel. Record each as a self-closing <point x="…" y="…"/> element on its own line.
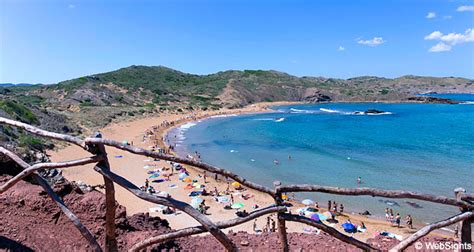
<point x="172" y="186"/>
<point x="391" y="235"/>
<point x="158" y="180"/>
<point x="119" y="156"/>
<point x="195" y="193"/>
<point x="223" y="199"/>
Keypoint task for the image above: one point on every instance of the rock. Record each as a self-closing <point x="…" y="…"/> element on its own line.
<point x="244" y="243"/>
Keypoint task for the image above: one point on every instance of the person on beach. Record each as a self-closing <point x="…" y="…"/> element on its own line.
<point x="273" y="226"/>
<point x="205" y="177"/>
<point x="255" y="226"/>
<point x="456" y="231"/>
<point x="397" y="220"/>
<point x="216" y="192"/>
<point x="409" y="221"/>
<point x="359" y="180"/>
<point x="334" y="207"/>
<point x="329" y="205"/>
<point x="316" y="205"/>
<point x="341" y="209"/>
<point x="391" y="216"/>
<point x="231" y="199"/>
<point x="147" y="183"/>
<point x="387" y="214"/>
<point x="268" y="224"/>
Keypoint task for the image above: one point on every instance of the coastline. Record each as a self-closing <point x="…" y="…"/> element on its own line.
<point x="127" y="166"/>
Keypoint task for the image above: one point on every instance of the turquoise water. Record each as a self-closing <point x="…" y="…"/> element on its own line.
<point x="420" y="147"/>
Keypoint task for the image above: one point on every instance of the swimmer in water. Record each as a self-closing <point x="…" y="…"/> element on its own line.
<point x="289" y="157"/>
<point x="359" y="180"/>
<point x="276" y="162"/>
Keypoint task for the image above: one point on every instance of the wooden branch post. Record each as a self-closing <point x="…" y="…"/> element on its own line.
<point x="110" y="236"/>
<point x="466" y="238"/>
<point x="282" y="235"/>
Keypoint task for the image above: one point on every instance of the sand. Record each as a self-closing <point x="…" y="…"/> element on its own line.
<point x="135" y="167"/>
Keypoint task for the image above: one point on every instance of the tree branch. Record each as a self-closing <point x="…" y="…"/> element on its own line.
<point x="375" y="192"/>
<point x="203" y="220"/>
<point x="40" y="166"/>
<point x="39" y="132"/>
<point x="193" y="163"/>
<point x="427" y="229"/>
<point x="82" y="229"/>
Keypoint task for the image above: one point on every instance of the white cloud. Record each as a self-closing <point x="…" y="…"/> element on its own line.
<point x="372" y="42"/>
<point x="434" y="35"/>
<point x="71" y="6"/>
<point x="450" y="39"/>
<point x="440" y="47"/>
<point x="431" y="15"/>
<point x="465" y="8"/>
<point x="447" y="17"/>
<point x="341" y="48"/>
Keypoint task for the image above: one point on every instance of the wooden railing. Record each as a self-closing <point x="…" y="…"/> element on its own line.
<point x="96" y="146"/>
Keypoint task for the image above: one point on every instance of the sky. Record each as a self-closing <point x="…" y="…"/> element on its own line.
<point x="47" y="41"/>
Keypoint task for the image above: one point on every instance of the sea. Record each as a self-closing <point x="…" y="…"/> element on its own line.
<point x="427" y="148"/>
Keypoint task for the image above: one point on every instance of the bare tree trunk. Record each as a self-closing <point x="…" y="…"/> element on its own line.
<point x="110" y="236"/>
<point x="466" y="236"/>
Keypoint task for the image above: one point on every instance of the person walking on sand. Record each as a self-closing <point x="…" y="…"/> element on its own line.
<point x="397" y="220"/>
<point x="387" y="214"/>
<point x="409" y="221"/>
<point x="329" y="205"/>
<point x="205" y="177"/>
<point x="231" y="199"/>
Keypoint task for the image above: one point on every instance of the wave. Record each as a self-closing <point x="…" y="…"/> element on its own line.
<point x="218" y="116"/>
<point x="302" y="111"/>
<point x="187" y="125"/>
<point x="370" y="114"/>
<point x="467" y="103"/>
<point x="264" y="119"/>
<point x="280" y="119"/>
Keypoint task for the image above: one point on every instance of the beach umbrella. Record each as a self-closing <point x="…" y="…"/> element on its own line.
<point x="182" y="176"/>
<point x="236" y="184"/>
<point x="237" y="206"/>
<point x="284" y="197"/>
<point x="307" y="202"/>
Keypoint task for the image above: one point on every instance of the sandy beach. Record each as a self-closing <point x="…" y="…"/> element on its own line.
<point x="149" y="132"/>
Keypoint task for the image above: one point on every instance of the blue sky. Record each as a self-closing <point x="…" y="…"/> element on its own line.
<point x="50" y="41"/>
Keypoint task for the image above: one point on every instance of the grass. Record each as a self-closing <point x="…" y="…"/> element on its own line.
<point x="19" y="112"/>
